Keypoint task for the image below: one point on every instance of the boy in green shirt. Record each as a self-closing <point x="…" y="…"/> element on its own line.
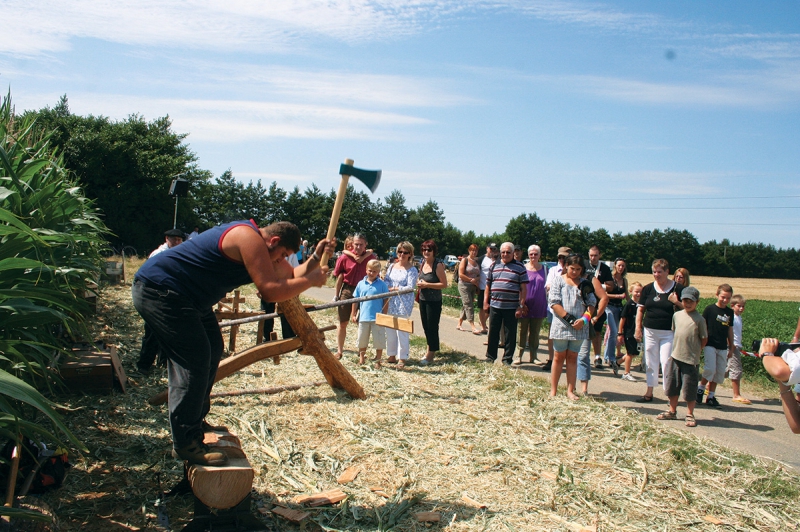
<point x="691" y="336"/>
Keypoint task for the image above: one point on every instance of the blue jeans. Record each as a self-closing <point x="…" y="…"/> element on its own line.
<point x="613" y="315"/>
<point x="191" y="341"/>
<point x="585" y="361"/>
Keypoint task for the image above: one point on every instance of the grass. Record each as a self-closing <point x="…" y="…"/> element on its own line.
<point x="426" y="437"/>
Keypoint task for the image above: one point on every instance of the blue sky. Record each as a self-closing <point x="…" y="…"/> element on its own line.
<point x="622" y="114"/>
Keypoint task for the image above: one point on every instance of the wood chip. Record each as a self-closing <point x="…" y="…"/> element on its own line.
<point x="428" y="517"/>
<point x="548" y="475"/>
<point x="377" y="490"/>
<point x="472" y="502"/>
<point x="295" y="516"/>
<point x="349" y="475"/>
<point x="91" y="495"/>
<point x="324" y="497"/>
<point x="713" y="520"/>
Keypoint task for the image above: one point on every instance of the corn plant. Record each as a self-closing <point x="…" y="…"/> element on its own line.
<point x="50" y="238"/>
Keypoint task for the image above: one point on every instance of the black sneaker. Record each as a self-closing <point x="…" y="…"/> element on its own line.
<point x="700" y="393"/>
<point x="614" y="367"/>
<point x="598" y="363"/>
<point x="198" y="453"/>
<point x="548" y="366"/>
<point x="712" y="401"/>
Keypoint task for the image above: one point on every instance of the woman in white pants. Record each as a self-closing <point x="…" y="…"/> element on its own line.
<point x="659" y="301"/>
<point x="399" y="275"/>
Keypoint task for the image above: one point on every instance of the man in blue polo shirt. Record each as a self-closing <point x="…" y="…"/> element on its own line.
<point x="504" y="299"/>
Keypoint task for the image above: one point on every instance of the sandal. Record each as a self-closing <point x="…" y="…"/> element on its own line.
<point x="391" y="360"/>
<point x="742" y="400"/>
<point x="401" y="364"/>
<point x="669" y="415"/>
<point x="645" y="399"/>
<point x="690" y="421"/>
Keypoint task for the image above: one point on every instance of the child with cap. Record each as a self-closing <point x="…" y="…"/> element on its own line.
<point x="689" y="340"/>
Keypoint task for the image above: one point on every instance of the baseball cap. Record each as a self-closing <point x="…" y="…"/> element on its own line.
<point x="690" y="292"/>
<point x="564" y="251"/>
<point x="174" y="232"/>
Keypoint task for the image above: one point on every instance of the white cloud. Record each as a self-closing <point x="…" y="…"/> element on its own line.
<point x="37" y="26"/>
<point x="238" y="120"/>
<point x="342" y="87"/>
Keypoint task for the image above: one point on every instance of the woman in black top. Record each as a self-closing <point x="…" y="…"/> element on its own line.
<point x="617" y="292"/>
<point x="432" y="279"/>
<point x="660" y="299"/>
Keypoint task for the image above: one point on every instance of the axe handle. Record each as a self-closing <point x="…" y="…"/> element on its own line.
<point x="337" y="210"/>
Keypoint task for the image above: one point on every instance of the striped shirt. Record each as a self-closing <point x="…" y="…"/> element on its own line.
<point x="505" y="282"/>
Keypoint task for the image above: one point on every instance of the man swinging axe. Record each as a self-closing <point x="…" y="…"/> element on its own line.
<point x="176" y="290"/>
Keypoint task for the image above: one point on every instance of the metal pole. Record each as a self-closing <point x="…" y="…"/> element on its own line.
<point x="175" y="217"/>
<point x="323" y="306"/>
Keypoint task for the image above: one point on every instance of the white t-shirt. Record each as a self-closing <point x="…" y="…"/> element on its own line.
<point x="552" y="273"/>
<point x="737" y="331"/>
<point x="486" y="267"/>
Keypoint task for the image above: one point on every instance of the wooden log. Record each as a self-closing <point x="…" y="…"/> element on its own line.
<point x="225" y="486"/>
<point x="306" y="330"/>
<point x="234" y="363"/>
<point x="395" y="322"/>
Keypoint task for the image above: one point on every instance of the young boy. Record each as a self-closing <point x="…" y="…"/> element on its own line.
<point x="627" y="328"/>
<point x="735" y="361"/>
<point x="370" y="285"/>
<point x="720" y="347"/>
<point x="690" y="338"/>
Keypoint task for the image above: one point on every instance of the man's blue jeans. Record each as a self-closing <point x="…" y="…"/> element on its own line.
<point x="192" y="344"/>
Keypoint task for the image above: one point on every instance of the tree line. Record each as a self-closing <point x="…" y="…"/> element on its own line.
<point x="127" y="166"/>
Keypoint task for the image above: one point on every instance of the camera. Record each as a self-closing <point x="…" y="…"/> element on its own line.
<point x="778" y="352"/>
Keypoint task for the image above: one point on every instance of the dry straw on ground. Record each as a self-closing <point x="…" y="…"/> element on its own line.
<point x="448" y="438"/>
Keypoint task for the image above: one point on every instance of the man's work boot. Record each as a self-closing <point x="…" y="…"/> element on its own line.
<point x="198" y="453"/>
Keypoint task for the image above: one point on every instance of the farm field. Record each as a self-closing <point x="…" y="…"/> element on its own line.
<point x="766" y="289"/>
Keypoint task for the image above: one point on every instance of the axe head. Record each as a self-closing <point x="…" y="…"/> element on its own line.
<point x="371" y="178"/>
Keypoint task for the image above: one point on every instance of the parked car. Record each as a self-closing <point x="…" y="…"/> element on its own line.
<point x="450" y="262"/>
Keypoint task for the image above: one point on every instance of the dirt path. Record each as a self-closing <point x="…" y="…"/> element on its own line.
<point x="758" y="429"/>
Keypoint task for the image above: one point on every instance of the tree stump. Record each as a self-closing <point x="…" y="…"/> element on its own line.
<point x="226" y="486"/>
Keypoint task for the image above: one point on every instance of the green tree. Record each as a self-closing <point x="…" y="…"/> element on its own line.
<point x="127" y="166"/>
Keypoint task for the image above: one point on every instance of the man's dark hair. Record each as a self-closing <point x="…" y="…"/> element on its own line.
<point x="595" y="247"/>
<point x="289" y="235"/>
